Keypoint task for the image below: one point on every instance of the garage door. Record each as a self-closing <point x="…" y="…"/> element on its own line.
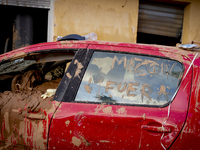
<point x="27" y="3"/>
<point x="160" y="19"/>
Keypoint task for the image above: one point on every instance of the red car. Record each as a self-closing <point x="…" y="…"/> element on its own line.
<point x="109" y="96"/>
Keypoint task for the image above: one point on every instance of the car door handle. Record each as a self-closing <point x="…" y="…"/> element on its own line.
<point x="156" y="128"/>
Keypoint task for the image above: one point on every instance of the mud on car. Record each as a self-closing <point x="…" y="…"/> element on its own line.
<point x="99" y="95"/>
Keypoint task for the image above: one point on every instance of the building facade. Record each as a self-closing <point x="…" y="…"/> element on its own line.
<point x="164" y="22"/>
<point x="120" y="21"/>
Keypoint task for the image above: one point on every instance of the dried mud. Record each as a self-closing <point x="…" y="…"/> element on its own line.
<point x="24" y="117"/>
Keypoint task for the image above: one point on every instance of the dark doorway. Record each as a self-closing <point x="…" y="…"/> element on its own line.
<point x="15" y="16"/>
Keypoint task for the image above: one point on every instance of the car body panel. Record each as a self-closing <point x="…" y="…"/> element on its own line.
<point x="90" y="125"/>
<point x="190" y="133"/>
<point x="98" y="126"/>
<point x="31" y="128"/>
<point x="21" y="52"/>
<point x="22" y="127"/>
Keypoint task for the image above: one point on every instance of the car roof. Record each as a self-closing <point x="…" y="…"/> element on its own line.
<point x="59" y="45"/>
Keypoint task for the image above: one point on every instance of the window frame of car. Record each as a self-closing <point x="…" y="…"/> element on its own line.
<point x="72" y="85"/>
<point x="31" y="55"/>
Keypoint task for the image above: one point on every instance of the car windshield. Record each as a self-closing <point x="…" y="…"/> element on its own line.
<point x="129" y="79"/>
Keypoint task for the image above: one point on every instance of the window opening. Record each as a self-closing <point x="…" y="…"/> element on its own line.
<point x="129" y="79"/>
<point x="160" y="23"/>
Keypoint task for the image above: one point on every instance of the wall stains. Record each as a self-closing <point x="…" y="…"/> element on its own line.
<point x="116" y="20"/>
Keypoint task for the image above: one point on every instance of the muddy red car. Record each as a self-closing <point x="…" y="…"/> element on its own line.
<point x="108" y="96"/>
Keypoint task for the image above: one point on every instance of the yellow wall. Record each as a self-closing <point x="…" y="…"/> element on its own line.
<point x="191" y="22"/>
<point x="112" y="22"/>
<point x="107" y="18"/>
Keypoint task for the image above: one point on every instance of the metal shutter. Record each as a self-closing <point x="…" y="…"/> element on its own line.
<point x="159" y="19"/>
<point x="27" y="3"/>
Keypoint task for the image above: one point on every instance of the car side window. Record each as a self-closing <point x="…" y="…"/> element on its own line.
<point x="119" y="78"/>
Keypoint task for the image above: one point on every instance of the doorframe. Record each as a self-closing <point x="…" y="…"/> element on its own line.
<point x="50" y="28"/>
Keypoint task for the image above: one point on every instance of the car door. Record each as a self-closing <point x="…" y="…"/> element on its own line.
<point x="24" y="114"/>
<point x="121" y="97"/>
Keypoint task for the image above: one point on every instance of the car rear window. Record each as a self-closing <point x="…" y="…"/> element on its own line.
<point x="119" y="78"/>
